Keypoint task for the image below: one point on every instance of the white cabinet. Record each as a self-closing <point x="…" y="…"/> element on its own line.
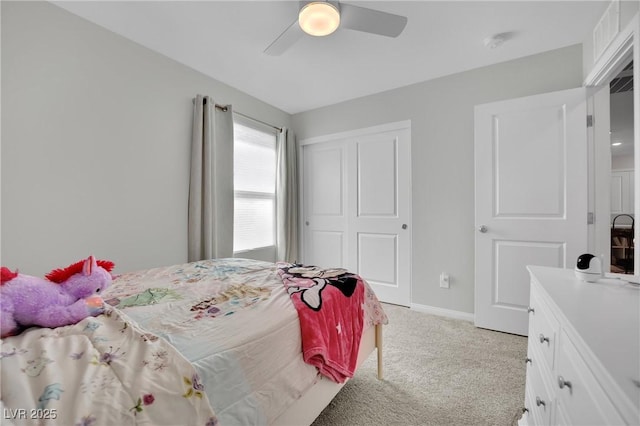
<point x="622" y="199"/>
<point x="583" y="357"/>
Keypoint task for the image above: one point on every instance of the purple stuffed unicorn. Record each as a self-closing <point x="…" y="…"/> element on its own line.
<point x="67" y="296"/>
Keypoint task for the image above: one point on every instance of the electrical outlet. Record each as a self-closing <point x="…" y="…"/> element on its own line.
<point x="444" y="280"/>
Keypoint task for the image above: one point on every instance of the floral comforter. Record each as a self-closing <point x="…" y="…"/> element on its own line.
<point x="100" y="371"/>
<point x="181" y="342"/>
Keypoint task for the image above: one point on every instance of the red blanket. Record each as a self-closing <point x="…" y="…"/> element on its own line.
<point x="329" y="304"/>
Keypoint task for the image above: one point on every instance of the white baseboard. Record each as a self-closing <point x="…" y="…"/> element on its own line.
<point x="443" y="312"/>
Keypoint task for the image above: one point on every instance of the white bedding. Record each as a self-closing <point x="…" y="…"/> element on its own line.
<point x="243" y="338"/>
<point x="100" y="371"/>
<point x="230" y="320"/>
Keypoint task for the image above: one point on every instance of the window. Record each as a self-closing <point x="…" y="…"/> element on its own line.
<point x="254" y="179"/>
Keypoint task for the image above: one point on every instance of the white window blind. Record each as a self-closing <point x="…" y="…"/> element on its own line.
<point x="254" y="179"/>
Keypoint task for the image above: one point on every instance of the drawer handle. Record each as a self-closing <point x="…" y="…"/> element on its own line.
<point x="525" y="410"/>
<point x="562" y="383"/>
<point x="540" y="402"/>
<point x="531" y="310"/>
<point x="543" y="339"/>
<point x="528" y="360"/>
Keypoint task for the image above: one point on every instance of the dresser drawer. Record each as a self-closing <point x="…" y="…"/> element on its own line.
<point x="580" y="397"/>
<point x="527" y="418"/>
<point x="543" y="330"/>
<point x="540" y="399"/>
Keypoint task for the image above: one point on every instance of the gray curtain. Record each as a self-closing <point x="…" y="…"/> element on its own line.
<point x="287" y="197"/>
<point x="210" y="229"/>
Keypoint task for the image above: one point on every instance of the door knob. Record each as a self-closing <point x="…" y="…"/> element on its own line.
<point x="483" y="228"/>
<point x="404" y="226"/>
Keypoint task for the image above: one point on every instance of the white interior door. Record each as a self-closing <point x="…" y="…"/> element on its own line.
<point x="379" y="202"/>
<point x="531" y="199"/>
<point x="324" y="204"/>
<point x="366" y="226"/>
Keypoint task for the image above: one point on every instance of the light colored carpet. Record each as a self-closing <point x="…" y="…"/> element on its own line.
<point x="437" y="371"/>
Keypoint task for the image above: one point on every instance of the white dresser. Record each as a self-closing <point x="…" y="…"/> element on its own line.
<point x="583" y="356"/>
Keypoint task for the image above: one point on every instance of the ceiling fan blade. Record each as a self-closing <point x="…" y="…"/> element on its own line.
<point x="285" y="40"/>
<point x="371" y="21"/>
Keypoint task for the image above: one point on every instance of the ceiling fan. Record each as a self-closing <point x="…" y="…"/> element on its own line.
<point x="321" y="18"/>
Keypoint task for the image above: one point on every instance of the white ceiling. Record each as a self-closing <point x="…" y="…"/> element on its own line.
<point x="226" y="40"/>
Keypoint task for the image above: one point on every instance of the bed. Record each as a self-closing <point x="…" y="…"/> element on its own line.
<point x="203" y="343"/>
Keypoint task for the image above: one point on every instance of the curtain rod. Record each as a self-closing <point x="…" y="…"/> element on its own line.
<point x="224" y="108"/>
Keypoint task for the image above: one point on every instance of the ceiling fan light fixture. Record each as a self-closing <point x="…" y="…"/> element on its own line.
<point x="319" y="18"/>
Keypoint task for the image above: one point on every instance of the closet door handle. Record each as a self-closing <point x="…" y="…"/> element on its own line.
<point x="543" y="339"/>
<point x="483" y="229"/>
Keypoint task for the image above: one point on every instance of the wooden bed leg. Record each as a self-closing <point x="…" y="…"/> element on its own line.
<point x="379" y="348"/>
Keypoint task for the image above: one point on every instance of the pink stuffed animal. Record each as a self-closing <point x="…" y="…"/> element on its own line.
<point x="67" y="296"/>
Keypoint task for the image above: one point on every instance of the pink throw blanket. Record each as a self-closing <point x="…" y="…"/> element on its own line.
<point x="329" y="304"/>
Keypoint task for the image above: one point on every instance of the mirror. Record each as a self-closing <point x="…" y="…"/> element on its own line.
<point x="622" y="205"/>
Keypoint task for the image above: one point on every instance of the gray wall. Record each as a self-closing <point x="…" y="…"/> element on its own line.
<point x="95" y="143"/>
<point x="441" y="113"/>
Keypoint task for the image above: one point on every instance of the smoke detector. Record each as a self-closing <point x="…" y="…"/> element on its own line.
<point x="496" y="40"/>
